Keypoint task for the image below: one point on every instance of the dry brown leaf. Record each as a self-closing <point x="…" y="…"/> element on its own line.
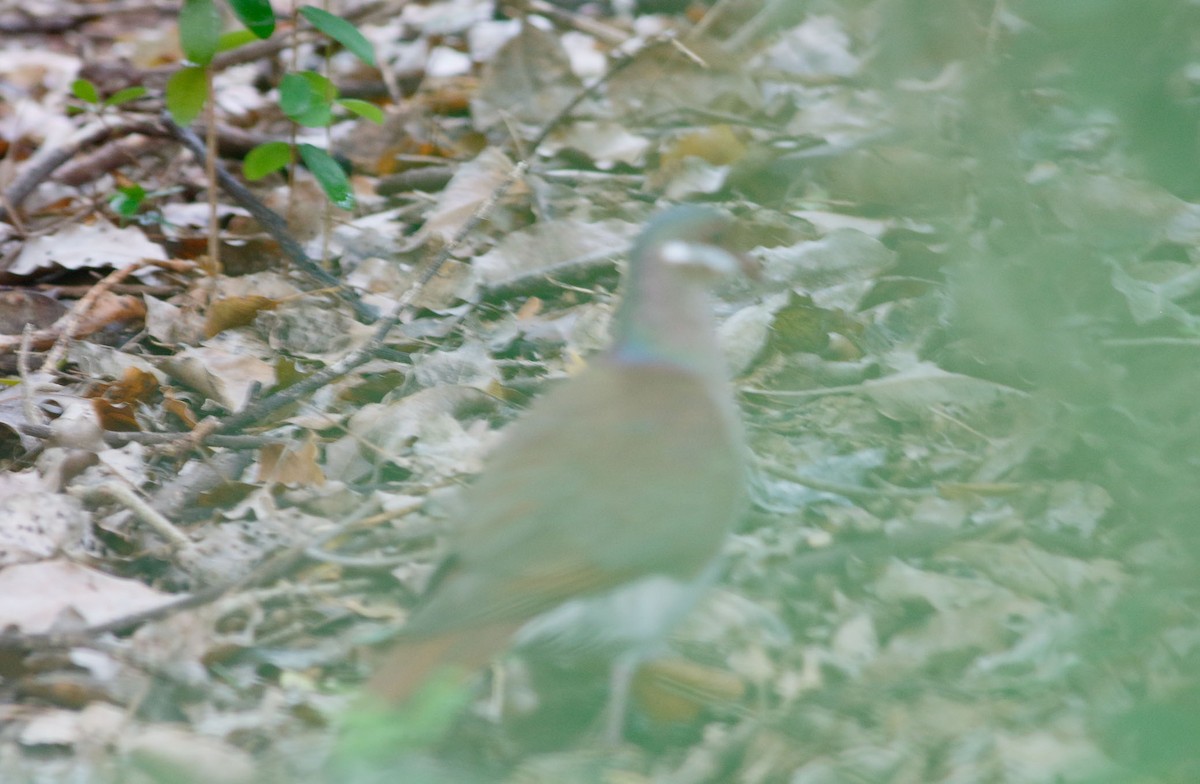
<point x="116" y="403"/>
<point x="20" y="307"/>
<point x="291" y="465"/>
<point x="33" y="597"/>
<point x="87" y="246"/>
<point x="233" y="312"/>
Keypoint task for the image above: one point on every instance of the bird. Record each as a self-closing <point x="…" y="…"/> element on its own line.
<point x="606" y="503"/>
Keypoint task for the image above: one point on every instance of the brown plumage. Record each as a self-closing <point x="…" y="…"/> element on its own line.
<point x="631" y="470"/>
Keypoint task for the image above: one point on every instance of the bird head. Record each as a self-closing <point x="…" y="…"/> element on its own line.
<point x="691" y="240"/>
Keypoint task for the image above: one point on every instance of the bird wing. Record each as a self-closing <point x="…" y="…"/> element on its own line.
<point x="626" y="471"/>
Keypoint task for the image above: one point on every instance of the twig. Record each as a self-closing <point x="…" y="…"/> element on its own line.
<point x="137" y="289"/>
<point x="271" y="568"/>
<point x="557" y="276"/>
<point x="209" y="160"/>
<point x="257" y="50"/>
<point x="846" y="389"/>
<point x="854" y="492"/>
<point x="109" y="156"/>
<point x="906" y="544"/>
<point x="116" y="491"/>
<point x="43" y="164"/>
<point x="602" y="32"/>
<point x="24" y="23"/>
<point x="269" y="220"/>
<point x="616" y="68"/>
<point x="69" y="323"/>
<point x="31" y="412"/>
<point x="151" y="439"/>
<point x="294" y="393"/>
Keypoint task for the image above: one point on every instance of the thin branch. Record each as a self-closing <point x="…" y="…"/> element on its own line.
<point x="270" y="220"/>
<point x="266" y="406"/>
<point x="39" y="168"/>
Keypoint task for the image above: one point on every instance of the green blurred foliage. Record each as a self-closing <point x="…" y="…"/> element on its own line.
<point x="1079" y="121"/>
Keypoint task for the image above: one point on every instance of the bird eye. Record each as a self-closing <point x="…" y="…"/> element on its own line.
<point x="699" y="259"/>
<point x="676" y="252"/>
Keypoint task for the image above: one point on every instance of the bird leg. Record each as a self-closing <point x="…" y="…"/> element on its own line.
<point x="620" y="685"/>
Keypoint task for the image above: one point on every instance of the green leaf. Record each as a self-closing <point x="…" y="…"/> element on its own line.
<point x="298" y="91"/>
<point x="125" y="96"/>
<point x="187" y="90"/>
<point x="256" y="15"/>
<point x="85" y="91"/>
<point x="341" y="31"/>
<point x="329" y="174"/>
<point x="322" y="87"/>
<point x="307" y="98"/>
<point x="199" y="30"/>
<point x="295" y="94"/>
<point x="363" y="109"/>
<point x="235" y="38"/>
<point x="266" y="158"/>
<point x="127" y="200"/>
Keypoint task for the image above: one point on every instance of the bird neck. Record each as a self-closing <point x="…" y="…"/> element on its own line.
<point x="664" y="319"/>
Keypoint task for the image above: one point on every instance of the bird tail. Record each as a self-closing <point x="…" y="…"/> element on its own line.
<point x="413" y="662"/>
